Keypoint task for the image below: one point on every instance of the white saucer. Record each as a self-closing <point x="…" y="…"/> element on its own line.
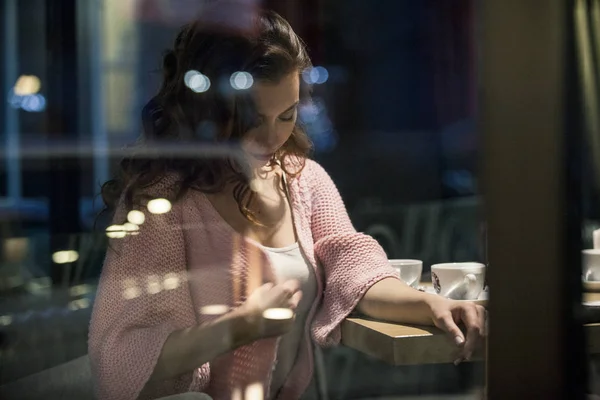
<point x="591" y="286"/>
<point x="482" y="300"/>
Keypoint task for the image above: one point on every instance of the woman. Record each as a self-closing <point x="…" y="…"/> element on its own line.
<point x="181" y="302"/>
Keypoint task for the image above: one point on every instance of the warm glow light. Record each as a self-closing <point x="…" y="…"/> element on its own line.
<point x="136" y="217"/>
<point x="65" y="256"/>
<point x="27" y="84"/>
<point x="241" y="80"/>
<point x="236" y="394"/>
<point x="131" y="229"/>
<point x="154" y="285"/>
<point x="131" y="292"/>
<point x="214" y="309"/>
<point x="278" y="313"/>
<point x="115" y="232"/>
<point x="159" y="206"/>
<point x="171" y="281"/>
<point x="254" y="391"/>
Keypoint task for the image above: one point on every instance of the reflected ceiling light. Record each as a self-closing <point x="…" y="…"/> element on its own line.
<point x="131" y="292"/>
<point x="171" y="281"/>
<point x="254" y="391"/>
<point x="214" y="309"/>
<point x="159" y="206"/>
<point x="65" y="256"/>
<point x="131" y="229"/>
<point x="241" y="80"/>
<point x="278" y="313"/>
<point x="154" y="285"/>
<point x="115" y="232"/>
<point x="136" y="217"/>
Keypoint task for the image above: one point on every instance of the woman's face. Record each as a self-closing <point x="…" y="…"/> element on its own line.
<point x="276" y="105"/>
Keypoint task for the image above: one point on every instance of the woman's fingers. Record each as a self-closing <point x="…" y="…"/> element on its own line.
<point x="295" y="300"/>
<point x="474" y="322"/>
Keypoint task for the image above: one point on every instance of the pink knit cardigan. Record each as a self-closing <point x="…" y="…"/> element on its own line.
<point x="159" y="280"/>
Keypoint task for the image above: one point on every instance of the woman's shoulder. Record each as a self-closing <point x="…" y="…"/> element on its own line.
<point x="305" y="169"/>
<point x="313" y="175"/>
<point x="163" y="192"/>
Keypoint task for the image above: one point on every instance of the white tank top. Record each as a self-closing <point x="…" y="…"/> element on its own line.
<point x="290" y="263"/>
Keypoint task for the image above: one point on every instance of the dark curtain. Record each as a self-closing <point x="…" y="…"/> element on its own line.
<point x="587" y="45"/>
<point x="452" y="36"/>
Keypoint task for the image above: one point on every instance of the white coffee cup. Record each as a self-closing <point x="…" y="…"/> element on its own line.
<point x="409" y="271"/>
<point x="590" y="260"/>
<point x="458" y="281"/>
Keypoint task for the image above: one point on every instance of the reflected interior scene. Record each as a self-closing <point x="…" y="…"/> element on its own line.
<point x="298" y="199"/>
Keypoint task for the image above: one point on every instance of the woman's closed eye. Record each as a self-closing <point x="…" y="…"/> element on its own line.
<point x="288" y="116"/>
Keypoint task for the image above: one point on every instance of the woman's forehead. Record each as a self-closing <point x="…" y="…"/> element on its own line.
<point x="272" y="99"/>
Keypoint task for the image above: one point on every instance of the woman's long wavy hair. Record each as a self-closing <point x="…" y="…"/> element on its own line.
<point x="268" y="51"/>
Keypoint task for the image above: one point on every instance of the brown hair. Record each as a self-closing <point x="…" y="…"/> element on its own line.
<point x="268" y="51"/>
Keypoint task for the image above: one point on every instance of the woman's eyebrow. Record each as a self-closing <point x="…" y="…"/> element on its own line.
<point x="287" y="110"/>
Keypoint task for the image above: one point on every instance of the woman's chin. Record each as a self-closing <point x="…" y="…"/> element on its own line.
<point x="257" y="162"/>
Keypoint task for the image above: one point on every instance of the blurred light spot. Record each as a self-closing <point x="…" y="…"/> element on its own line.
<point x="6" y="320"/>
<point x="65" y="256"/>
<point x="154" y="285"/>
<point x="131" y="292"/>
<point x="254" y="391"/>
<point x="171" y="281"/>
<point x="187" y="78"/>
<point x="79" y="304"/>
<point x="318" y="126"/>
<point x="39" y="286"/>
<point x="315" y="75"/>
<point x="14" y="100"/>
<point x="131" y="229"/>
<point x="33" y="103"/>
<point x="236" y="394"/>
<point x="196" y="81"/>
<point x="27" y="84"/>
<point x="241" y="80"/>
<point x="115" y="232"/>
<point x="309" y="112"/>
<point x="136" y="217"/>
<point x="80" y="290"/>
<point x="214" y="309"/>
<point x="278" y="313"/>
<point x="29" y="102"/>
<point x="159" y="206"/>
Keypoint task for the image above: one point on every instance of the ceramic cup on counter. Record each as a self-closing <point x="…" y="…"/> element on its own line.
<point x="590" y="265"/>
<point x="409" y="271"/>
<point x="458" y="281"/>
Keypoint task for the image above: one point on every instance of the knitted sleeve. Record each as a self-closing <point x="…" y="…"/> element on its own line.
<point x="352" y="261"/>
<point x="142" y="298"/>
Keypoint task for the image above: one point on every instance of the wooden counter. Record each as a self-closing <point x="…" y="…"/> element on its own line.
<point x="411" y="345"/>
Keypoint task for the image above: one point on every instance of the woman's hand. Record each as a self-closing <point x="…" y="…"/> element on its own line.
<point x="448" y="314"/>
<point x="285" y="295"/>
